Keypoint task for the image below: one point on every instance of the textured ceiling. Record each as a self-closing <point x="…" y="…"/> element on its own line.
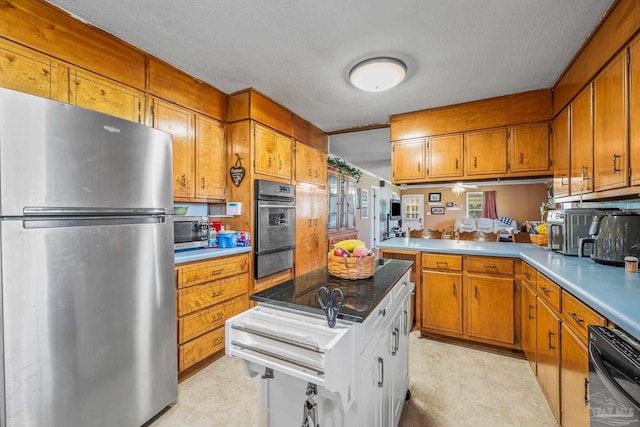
<point x="299" y="52"/>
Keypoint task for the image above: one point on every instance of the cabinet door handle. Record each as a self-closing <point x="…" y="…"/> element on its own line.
<point x="454" y="289"/>
<point x="575" y="317"/>
<point x="394" y="347"/>
<point x="418" y="166"/>
<point x="316" y="222"/>
<point x="382" y="312"/>
<point x="203" y="182"/>
<point x="476" y="291"/>
<point x="183" y="180"/>
<point x="586" y="391"/>
<point x="280" y="164"/>
<point x="475" y="162"/>
<point x="456" y="164"/>
<point x="270" y="162"/>
<point x="310" y="222"/>
<point x="381" y="365"/>
<point x="616" y="168"/>
<point x="406" y="322"/>
<point x="521" y="158"/>
<point x="309" y="171"/>
<point x="530" y="308"/>
<point x="551" y="347"/>
<point x="562" y="184"/>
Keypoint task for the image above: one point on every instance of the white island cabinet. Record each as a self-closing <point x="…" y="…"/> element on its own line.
<point x="355" y="374"/>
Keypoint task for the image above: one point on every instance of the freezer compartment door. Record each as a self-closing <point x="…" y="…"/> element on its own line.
<point x="57" y="155"/>
<point x="88" y="321"/>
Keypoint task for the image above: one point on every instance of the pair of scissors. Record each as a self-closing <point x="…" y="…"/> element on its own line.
<point x="331" y="302"/>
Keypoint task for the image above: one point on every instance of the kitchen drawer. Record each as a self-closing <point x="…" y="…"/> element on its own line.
<point x="529" y="274"/>
<point x="549" y="291"/>
<point x="198" y="297"/>
<point x="489" y="265"/>
<point x="442" y="262"/>
<point x="199" y="349"/>
<point x="196" y="324"/>
<point x="401" y="287"/>
<point x="578" y="316"/>
<point x="374" y="324"/>
<point x="207" y="271"/>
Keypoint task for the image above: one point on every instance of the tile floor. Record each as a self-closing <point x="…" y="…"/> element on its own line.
<point x="450" y="386"/>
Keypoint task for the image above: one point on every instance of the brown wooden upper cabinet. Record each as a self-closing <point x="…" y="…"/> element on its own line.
<point x="97" y="93"/>
<point x="561" y="154"/>
<point x="210" y="156"/>
<point x="311" y="164"/>
<point x="407" y="160"/>
<point x="445" y="156"/>
<point x="634" y="110"/>
<point x="198" y="151"/>
<point x="611" y="161"/>
<point x="581" y="135"/>
<point x="486" y="152"/>
<point x="273" y="152"/>
<point x="529" y="148"/>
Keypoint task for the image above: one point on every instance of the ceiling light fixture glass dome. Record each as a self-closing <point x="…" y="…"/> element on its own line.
<point x="378" y="74"/>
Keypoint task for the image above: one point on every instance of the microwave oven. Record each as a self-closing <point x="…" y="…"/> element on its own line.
<point x="190" y="232"/>
<point x="567" y="226"/>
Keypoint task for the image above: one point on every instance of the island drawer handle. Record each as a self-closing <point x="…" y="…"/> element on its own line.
<point x="284" y="340"/>
<point x="382" y="312"/>
<point x="381" y="363"/>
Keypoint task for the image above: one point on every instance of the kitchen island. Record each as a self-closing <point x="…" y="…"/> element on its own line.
<point x="355" y="374"/>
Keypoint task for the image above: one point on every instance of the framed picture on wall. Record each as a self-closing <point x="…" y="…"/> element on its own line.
<point x="364" y="197"/>
<point x="364" y="212"/>
<point x="437" y="211"/>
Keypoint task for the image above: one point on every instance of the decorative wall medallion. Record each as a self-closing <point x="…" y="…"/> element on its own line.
<point x="237" y="171"/>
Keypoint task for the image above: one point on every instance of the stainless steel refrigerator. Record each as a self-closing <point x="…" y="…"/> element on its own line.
<point x="88" y="333"/>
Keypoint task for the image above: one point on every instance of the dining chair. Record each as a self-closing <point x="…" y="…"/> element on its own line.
<point x="479" y="236"/>
<point x="426" y="234"/>
<point x="521" y="237"/>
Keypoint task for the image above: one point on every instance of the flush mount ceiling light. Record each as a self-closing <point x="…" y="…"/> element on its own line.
<point x="378" y="74"/>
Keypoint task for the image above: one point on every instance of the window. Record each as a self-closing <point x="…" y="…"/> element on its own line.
<point x="474" y="204"/>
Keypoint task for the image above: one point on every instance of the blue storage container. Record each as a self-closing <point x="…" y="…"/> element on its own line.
<point x="228" y="240"/>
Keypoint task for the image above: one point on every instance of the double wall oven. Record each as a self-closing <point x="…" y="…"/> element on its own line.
<point x="275" y="227"/>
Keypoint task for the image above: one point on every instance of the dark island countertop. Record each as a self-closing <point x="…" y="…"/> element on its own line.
<point x="361" y="296"/>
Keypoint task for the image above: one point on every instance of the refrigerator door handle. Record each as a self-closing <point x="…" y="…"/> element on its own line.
<point x="90" y="222"/>
<point x="48" y="211"/>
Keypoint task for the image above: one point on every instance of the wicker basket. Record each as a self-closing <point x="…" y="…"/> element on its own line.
<point x="353" y="268"/>
<point x="539" y="239"/>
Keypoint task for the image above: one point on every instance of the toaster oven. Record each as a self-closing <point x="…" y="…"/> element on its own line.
<point x="190" y="232"/>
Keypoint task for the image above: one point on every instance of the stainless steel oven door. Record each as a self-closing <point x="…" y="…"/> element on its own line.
<point x="275" y="225"/>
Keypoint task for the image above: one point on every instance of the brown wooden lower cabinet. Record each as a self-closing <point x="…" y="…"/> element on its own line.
<point x="490" y="308"/>
<point x="548" y="355"/>
<point x="574" y="380"/>
<point x="442" y="302"/>
<point x="208" y="293"/>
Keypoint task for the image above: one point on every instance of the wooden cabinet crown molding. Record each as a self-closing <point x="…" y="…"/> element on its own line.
<point x="251" y="104"/>
<point x="166" y="81"/>
<point x="520" y="108"/>
<point x="306" y="132"/>
<point x="48" y="29"/>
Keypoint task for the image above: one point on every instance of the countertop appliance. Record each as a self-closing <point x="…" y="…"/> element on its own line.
<point x="567" y="226"/>
<point x="615" y="235"/>
<point x="190" y="232"/>
<point x="88" y="299"/>
<point x="614" y="378"/>
<point x="275" y="227"/>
